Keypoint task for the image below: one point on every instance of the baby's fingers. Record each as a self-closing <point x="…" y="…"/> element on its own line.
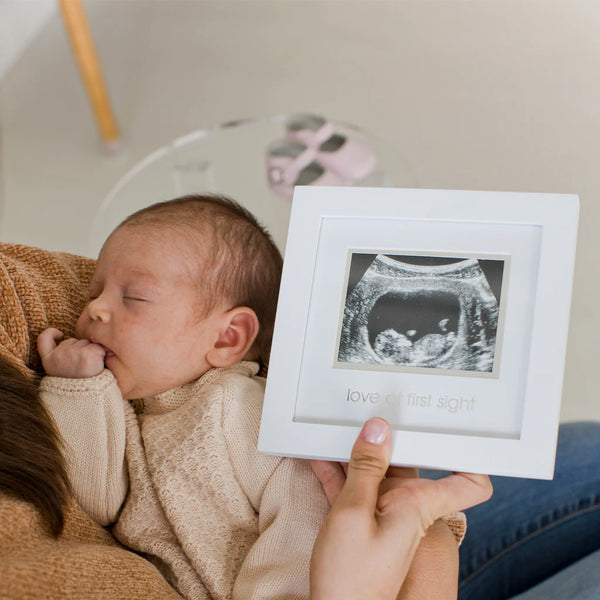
<point x="48" y="340"/>
<point x="90" y="358"/>
<point x="93" y="350"/>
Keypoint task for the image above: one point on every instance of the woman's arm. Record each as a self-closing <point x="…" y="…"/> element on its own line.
<point x="379" y="519"/>
<point x="433" y="572"/>
<point x="439" y="546"/>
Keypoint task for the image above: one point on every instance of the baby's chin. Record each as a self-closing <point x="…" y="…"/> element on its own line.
<point x="134" y="388"/>
<point x="130" y="391"/>
<point x="127" y="390"/>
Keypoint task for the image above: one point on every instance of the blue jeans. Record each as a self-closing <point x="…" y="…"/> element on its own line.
<point x="580" y="581"/>
<point x="530" y="529"/>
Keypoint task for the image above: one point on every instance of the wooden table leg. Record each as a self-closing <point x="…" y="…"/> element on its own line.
<point x="90" y="68"/>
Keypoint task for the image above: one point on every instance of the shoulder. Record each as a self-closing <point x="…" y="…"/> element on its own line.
<point x="240" y="392"/>
<point x="243" y="393"/>
<point x="239" y="385"/>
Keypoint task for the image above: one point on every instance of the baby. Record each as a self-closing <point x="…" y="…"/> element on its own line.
<point x="179" y="321"/>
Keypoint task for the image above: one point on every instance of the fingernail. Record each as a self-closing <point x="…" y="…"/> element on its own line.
<point x="375" y="430"/>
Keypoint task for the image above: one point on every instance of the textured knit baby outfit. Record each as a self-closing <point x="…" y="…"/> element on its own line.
<point x="185" y="485"/>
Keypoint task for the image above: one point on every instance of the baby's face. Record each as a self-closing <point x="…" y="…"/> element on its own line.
<point x="143" y="310"/>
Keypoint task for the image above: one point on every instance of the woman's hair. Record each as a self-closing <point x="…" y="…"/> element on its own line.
<point x="240" y="262"/>
<point x="31" y="463"/>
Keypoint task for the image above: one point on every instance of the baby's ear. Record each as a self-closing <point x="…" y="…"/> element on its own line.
<point x="240" y="328"/>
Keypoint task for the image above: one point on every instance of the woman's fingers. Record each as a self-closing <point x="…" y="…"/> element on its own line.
<point x="427" y="500"/>
<point x="460" y="491"/>
<point x="404" y="472"/>
<point x="332" y="477"/>
<point x="368" y="465"/>
<point x="373" y="485"/>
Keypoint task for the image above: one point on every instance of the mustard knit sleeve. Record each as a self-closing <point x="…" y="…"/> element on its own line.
<point x="90" y="416"/>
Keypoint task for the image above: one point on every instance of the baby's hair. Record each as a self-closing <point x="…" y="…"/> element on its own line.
<point x="244" y="264"/>
<point x="31" y="463"/>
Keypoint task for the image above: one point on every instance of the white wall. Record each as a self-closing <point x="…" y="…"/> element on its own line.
<point x="20" y="21"/>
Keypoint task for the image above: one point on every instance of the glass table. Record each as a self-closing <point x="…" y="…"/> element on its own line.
<point x="230" y="159"/>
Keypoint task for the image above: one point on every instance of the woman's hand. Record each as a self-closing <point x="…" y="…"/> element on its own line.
<point x="379" y="517"/>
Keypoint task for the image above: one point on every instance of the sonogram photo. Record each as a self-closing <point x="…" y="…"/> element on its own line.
<point x="436" y="312"/>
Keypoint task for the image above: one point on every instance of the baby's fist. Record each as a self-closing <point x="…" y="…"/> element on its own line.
<point x="70" y="358"/>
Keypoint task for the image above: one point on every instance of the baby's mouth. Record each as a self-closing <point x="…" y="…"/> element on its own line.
<point x="108" y="351"/>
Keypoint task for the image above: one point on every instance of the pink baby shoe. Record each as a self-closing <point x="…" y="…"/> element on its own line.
<point x="350" y="159"/>
<point x="291" y="163"/>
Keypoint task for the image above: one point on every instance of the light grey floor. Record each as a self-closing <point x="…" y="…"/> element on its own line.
<point x="487" y="95"/>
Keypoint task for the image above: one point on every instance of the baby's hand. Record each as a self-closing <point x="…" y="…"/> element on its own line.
<point x="70" y="358"/>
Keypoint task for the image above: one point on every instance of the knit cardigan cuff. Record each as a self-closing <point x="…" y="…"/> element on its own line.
<point x="98" y="383"/>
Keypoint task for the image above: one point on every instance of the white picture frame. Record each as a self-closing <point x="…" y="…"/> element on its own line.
<point x="444" y="312"/>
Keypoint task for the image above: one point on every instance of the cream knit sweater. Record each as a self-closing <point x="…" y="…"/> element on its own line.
<point x="185" y="485"/>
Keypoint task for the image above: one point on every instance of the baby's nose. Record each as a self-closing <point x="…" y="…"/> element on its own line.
<point x="98" y="309"/>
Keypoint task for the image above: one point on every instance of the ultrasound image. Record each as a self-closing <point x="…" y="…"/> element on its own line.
<point x="441" y="314"/>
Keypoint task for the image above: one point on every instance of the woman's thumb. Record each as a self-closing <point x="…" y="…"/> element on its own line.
<point x="368" y="465"/>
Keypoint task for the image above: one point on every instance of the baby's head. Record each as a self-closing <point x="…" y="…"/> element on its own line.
<point x="180" y="287"/>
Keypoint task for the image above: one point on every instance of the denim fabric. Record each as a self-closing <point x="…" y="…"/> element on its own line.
<point x="532" y="529"/>
<point x="580" y="581"/>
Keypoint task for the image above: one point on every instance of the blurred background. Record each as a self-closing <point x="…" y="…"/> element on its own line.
<point x="454" y="94"/>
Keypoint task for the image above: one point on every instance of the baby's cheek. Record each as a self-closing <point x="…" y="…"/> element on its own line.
<point x="81" y="327"/>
